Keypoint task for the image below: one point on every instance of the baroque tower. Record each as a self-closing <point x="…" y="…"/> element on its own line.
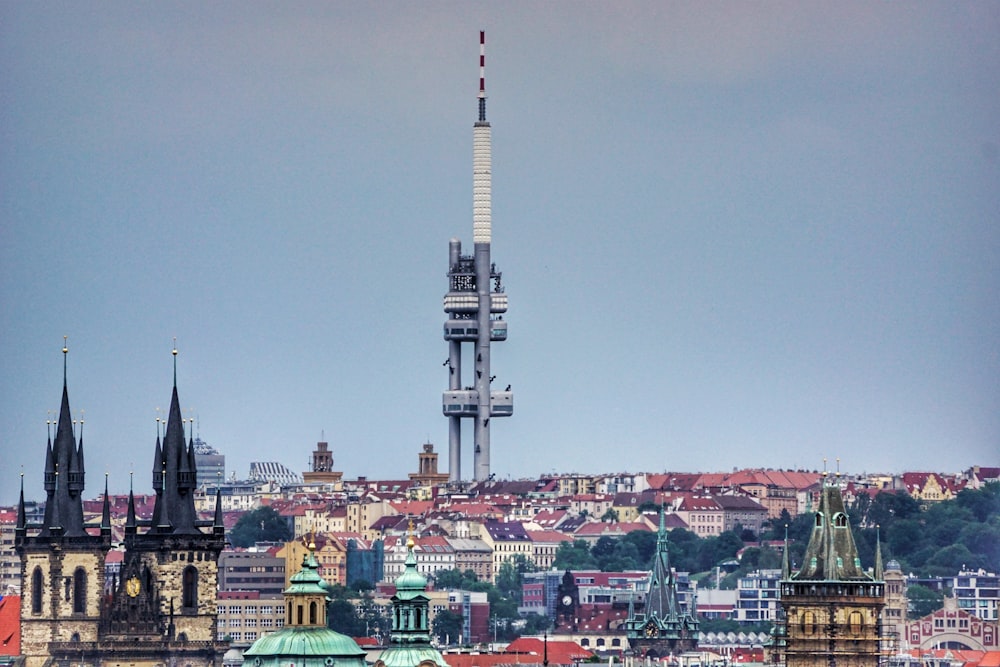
<point x="831" y="606"/>
<point x="474" y="296"/>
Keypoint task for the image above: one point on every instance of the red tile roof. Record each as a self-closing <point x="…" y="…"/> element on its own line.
<point x="10" y="625"/>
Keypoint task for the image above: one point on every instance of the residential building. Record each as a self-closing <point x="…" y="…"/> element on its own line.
<point x="473" y="554"/>
<point x="757" y="597"/>
<point x="259" y="571"/>
<point x="507" y="541"/>
<point x="978" y="593"/>
<point x="247" y="615"/>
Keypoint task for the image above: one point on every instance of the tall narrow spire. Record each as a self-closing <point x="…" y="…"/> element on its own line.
<point x="786" y="569"/>
<point x="22" y="523"/>
<point x="106" y="510"/>
<point x="64" y="473"/>
<point x="879" y="569"/>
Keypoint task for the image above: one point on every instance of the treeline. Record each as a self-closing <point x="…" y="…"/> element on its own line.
<point x="927" y="539"/>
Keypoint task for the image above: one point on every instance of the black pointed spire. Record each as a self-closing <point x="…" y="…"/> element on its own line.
<point x="22" y="521"/>
<point x="64" y="472"/>
<point x="106" y="510"/>
<point x="218" y="525"/>
<point x="130" y="523"/>
<point x="174" y="510"/>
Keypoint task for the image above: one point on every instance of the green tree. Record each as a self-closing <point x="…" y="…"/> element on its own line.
<point x="574" y="556"/>
<point x="611" y="516"/>
<point x="511" y="576"/>
<point x="447" y="627"/>
<point x="645" y="544"/>
<point x="923" y="601"/>
<point x="455" y="579"/>
<point x="984" y="503"/>
<point x="260" y="525"/>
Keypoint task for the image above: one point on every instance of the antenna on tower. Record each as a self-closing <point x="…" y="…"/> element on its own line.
<point x="482" y="76"/>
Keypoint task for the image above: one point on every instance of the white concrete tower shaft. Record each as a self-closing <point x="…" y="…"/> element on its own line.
<point x="481" y="236"/>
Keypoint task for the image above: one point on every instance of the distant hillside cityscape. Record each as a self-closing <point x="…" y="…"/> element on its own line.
<point x="498" y="553"/>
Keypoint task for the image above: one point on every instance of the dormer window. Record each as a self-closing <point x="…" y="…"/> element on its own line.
<point x="819" y="519"/>
<point x="840" y="520"/>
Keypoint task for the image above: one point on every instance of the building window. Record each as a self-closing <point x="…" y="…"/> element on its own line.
<point x="79" y="591"/>
<point x="189" y="594"/>
<point x="36" y="591"/>
<point x="808" y="622"/>
<point x="856" y="622"/>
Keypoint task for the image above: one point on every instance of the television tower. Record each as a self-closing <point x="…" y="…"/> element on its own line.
<point x="474" y="296"/>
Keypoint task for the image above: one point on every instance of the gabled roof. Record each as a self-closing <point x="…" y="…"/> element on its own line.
<point x="548" y="536"/>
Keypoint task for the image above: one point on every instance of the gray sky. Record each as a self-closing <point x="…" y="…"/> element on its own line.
<point x="732" y="233"/>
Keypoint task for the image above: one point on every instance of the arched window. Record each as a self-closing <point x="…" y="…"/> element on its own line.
<point x="819" y="519"/>
<point x="36" y="591"/>
<point x="840" y="520"/>
<point x="419" y="623"/>
<point x="79" y="591"/>
<point x="312" y="613"/>
<point x="189" y="594"/>
<point x="289" y="613"/>
<point x="298" y="614"/>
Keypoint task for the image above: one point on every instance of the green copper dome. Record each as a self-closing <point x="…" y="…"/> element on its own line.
<point x="307" y="647"/>
<point x="411" y="582"/>
<point x="305" y="641"/>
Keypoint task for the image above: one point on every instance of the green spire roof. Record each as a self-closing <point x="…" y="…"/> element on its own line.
<point x="832" y="554"/>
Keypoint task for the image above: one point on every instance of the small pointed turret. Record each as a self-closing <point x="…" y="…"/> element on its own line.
<point x="218" y="525"/>
<point x="131" y="525"/>
<point x="106" y="509"/>
<point x="22" y="520"/>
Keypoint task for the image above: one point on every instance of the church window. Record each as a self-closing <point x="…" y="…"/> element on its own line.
<point x="189" y="594"/>
<point x="840" y="520"/>
<point x="36" y="591"/>
<point x="819" y="519"/>
<point x="79" y="591"/>
<point x="420" y="619"/>
<point x="289" y="616"/>
<point x="312" y="613"/>
<point x="298" y="614"/>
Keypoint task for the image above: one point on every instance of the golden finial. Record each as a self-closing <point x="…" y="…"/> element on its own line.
<point x="410" y="541"/>
<point x="65" y="344"/>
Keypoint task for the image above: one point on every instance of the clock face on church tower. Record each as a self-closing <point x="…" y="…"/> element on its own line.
<point x="567" y="601"/>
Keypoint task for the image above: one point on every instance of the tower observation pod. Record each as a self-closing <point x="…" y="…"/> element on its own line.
<point x="475" y="304"/>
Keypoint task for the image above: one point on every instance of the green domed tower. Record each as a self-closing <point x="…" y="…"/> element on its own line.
<point x="305" y="640"/>
<point x="410" y="639"/>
